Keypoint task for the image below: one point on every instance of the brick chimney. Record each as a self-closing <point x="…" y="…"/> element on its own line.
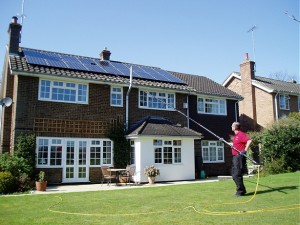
<point x="105" y="54"/>
<point x="248" y="105"/>
<point x="14" y="31"/>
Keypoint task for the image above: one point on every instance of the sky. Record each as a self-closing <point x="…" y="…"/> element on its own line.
<point x="200" y="37"/>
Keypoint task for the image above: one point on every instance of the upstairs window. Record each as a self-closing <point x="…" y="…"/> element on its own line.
<point x="60" y="91"/>
<point x="284" y="102"/>
<point x="157" y="100"/>
<point x="212" y="106"/>
<point x="116" y="96"/>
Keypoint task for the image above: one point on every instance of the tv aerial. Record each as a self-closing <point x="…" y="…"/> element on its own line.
<point x="22" y="15"/>
<point x="253" y="45"/>
<point x="292" y="17"/>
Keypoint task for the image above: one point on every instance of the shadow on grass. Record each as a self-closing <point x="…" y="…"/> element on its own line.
<point x="271" y="189"/>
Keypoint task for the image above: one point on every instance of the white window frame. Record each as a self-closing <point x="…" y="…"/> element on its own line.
<point x="116" y="96"/>
<point x="44" y="145"/>
<point x="284" y="102"/>
<point x="157" y="100"/>
<point x="167" y="151"/>
<point x="212" y="151"/>
<point x="132" y="152"/>
<point x="47" y="88"/>
<point x="218" y="106"/>
<point x="299" y="103"/>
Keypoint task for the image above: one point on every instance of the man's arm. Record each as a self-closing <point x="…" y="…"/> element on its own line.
<point x="248" y="143"/>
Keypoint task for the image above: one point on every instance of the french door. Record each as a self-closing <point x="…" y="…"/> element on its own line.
<point x="75" y="161"/>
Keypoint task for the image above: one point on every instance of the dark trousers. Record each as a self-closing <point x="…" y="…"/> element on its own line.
<point x="237" y="174"/>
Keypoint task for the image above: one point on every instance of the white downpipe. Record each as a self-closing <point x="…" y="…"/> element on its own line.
<point x="127" y="98"/>
<point x="235" y="109"/>
<point x="276" y="108"/>
<point x="188" y="111"/>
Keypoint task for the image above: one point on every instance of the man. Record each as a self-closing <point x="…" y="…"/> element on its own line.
<point x="241" y="142"/>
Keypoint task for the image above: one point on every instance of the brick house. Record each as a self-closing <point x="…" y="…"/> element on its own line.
<point x="265" y="100"/>
<point x="70" y="102"/>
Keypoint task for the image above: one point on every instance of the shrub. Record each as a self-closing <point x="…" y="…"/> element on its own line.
<point x="7" y="183"/>
<point x="274" y="167"/>
<point x="280" y="146"/>
<point x="121" y="146"/>
<point x="17" y="166"/>
<point x="25" y="148"/>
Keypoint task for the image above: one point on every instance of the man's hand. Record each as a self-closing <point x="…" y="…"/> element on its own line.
<point x="243" y="152"/>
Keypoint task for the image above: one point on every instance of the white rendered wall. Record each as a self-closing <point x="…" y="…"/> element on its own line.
<point x="144" y="156"/>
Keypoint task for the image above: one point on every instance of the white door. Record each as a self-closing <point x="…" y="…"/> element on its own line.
<point x="75" y="162"/>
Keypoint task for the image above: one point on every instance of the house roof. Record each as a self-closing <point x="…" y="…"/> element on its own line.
<point x="159" y="126"/>
<point x="206" y="86"/>
<point x="19" y="65"/>
<point x="194" y="83"/>
<point x="269" y="85"/>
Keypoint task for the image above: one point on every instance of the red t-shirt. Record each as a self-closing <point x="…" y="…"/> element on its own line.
<point x="239" y="142"/>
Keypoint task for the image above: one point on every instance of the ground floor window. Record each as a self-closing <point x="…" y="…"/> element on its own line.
<point x="212" y="151"/>
<point x="132" y="152"/>
<point x="57" y="152"/>
<point x="167" y="151"/>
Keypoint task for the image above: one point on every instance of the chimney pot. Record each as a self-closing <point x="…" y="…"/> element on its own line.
<point x="14" y="19"/>
<point x="294" y="81"/>
<point x="246" y="57"/>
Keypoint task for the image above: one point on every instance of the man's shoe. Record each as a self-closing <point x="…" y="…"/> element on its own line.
<point x="239" y="194"/>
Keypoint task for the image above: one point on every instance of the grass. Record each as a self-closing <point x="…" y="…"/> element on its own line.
<point x="276" y="202"/>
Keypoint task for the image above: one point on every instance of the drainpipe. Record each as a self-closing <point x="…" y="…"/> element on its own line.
<point x="276" y="109"/>
<point x="127" y="98"/>
<point x="188" y="112"/>
<point x="235" y="109"/>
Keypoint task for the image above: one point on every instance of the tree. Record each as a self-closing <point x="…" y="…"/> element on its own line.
<point x="283" y="76"/>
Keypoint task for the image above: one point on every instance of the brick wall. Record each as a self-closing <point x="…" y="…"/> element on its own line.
<point x="264" y="108"/>
<point x="8" y="113"/>
<point x="248" y="104"/>
<point x="136" y="113"/>
<point x="97" y="110"/>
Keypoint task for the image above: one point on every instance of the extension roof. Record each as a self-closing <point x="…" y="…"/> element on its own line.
<point x="159" y="126"/>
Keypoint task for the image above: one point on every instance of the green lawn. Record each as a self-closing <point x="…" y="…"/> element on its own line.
<point x="276" y="202"/>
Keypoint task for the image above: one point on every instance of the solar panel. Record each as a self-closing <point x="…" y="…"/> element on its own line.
<point x="60" y="60"/>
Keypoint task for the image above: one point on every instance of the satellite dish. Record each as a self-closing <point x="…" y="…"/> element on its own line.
<point x="6" y="102"/>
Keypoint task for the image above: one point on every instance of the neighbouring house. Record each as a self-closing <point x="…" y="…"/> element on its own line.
<point x="265" y="100"/>
<point x="70" y="102"/>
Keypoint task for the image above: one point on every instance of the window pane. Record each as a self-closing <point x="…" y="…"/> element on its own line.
<point x="177" y="155"/>
<point x="42" y="154"/>
<point x="107" y="152"/>
<point x="168" y="155"/>
<point x="158" y="155"/>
